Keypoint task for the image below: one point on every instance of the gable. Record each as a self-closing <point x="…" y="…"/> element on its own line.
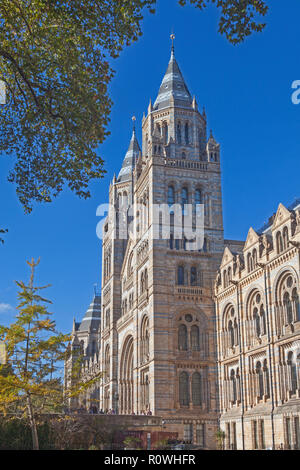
<point x="252" y="239"/>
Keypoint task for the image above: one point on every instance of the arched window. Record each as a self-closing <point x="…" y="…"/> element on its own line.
<point x="260" y="381"/>
<point x="193" y="276"/>
<point x="142" y="282"/>
<point x="171" y="196"/>
<point x="107" y="363"/>
<point x="250" y="262"/>
<point x="195" y="346"/>
<point x="183" y="156"/>
<point x="292" y="372"/>
<point x="266" y="379"/>
<point x="235" y="331"/>
<point x="198" y="196"/>
<point x="288" y="307"/>
<point x="145" y="340"/>
<point x="146" y="279"/>
<point x="179" y="133"/>
<point x="231" y="333"/>
<point x="186" y="133"/>
<point x="263" y="320"/>
<point x="196" y="389"/>
<point x="182" y="338"/>
<point x="233" y="385"/>
<point x="205" y="245"/>
<point x="285" y="238"/>
<point x="184" y="396"/>
<point x="257" y="322"/>
<point x="279" y="242"/>
<point x="288" y="299"/>
<point x="180" y="275"/>
<point x="166" y="133"/>
<point x="107" y="318"/>
<point x="184" y="196"/>
<point x="254" y="257"/>
<point x="296" y="306"/>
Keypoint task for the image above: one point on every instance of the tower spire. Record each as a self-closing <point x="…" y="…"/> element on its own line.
<point x="173" y="48"/>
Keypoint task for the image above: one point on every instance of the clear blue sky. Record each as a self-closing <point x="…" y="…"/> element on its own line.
<point x="246" y="91"/>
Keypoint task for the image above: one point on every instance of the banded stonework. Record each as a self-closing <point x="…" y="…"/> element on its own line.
<point x="258" y="329"/>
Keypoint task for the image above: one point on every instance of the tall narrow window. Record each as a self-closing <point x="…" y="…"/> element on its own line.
<point x="182" y="338"/>
<point x="255" y="436"/>
<point x="279" y="242"/>
<point x="184" y="396"/>
<point x="231" y="333"/>
<point x="195" y="344"/>
<point x="288" y="432"/>
<point x="296" y="305"/>
<point x="297" y="432"/>
<point x="166" y="133"/>
<point x="288" y="307"/>
<point x="179" y="133"/>
<point x="292" y="372"/>
<point x="184" y="196"/>
<point x="171" y="195"/>
<point x="260" y="380"/>
<point x="180" y="276"/>
<point x="266" y="379"/>
<point x="262" y="434"/>
<point x="193" y="276"/>
<point x="198" y="196"/>
<point x="285" y="238"/>
<point x="186" y="133"/>
<point x="196" y="389"/>
<point x="233" y="385"/>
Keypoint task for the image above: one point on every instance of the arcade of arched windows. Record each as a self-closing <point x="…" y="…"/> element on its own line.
<point x="184" y="195"/>
<point x="252" y="261"/>
<point x="256" y="322"/>
<point x="127" y="303"/>
<point x="231" y="386"/>
<point x="189" y="276"/>
<point x="289" y="374"/>
<point x="259" y="381"/>
<point x="193" y="389"/>
<point x="192" y="334"/>
<point x="287" y="308"/>
<point x="184" y="133"/>
<point x="227" y="276"/>
<point x="282" y="240"/>
<point x="229" y="335"/>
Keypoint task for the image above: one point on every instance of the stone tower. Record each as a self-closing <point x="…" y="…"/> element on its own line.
<point x="158" y="352"/>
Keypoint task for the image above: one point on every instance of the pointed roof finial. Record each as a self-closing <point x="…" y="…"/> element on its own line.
<point x="172" y="38"/>
<point x="133" y="124"/>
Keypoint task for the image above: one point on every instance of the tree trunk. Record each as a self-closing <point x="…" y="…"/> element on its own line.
<point x="35" y="439"/>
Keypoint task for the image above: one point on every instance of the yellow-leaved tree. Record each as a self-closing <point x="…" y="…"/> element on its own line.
<point x="30" y="383"/>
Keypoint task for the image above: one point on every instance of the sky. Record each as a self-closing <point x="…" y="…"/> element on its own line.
<point x="246" y="91"/>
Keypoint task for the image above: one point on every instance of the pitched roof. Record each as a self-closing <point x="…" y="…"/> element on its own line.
<point x="130" y="159"/>
<point x="173" y="86"/>
<point x="268" y="225"/>
<point x="93" y="316"/>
